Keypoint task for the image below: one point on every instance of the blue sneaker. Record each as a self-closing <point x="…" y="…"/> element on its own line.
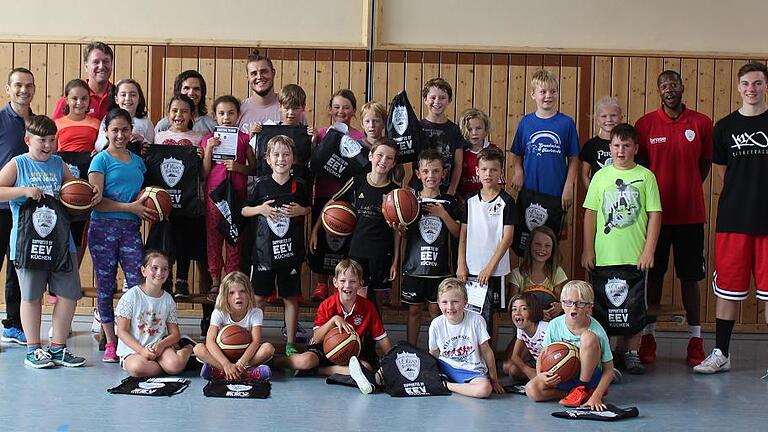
<point x="63" y="357"/>
<point x="15" y="335"/>
<point x="39" y="359"/>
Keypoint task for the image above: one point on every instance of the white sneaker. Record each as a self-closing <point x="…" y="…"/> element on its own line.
<point x="96" y="324"/>
<point x="715" y="362"/>
<point x="356" y="371"/>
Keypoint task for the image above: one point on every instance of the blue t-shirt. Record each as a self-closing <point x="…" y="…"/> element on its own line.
<point x="546" y="145"/>
<point x="122" y="182"/>
<point x="558" y="331"/>
<point x="12" y="131"/>
<point x="47" y="176"/>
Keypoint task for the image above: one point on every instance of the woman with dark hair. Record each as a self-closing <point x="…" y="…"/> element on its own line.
<point x="191" y="84"/>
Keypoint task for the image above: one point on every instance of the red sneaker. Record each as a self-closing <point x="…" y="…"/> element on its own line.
<point x="577" y="397"/>
<point x="648" y="349"/>
<point x="320" y="292"/>
<point x="695" y="351"/>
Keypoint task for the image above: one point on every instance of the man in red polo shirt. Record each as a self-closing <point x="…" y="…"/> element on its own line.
<point x="676" y="142"/>
<point x="97" y="60"/>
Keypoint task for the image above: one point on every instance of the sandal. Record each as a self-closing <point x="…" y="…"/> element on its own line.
<point x="213" y="292"/>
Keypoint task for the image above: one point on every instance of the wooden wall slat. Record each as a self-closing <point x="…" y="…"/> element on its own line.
<point x="323" y="86"/>
<point x="358" y="70"/>
<point x="341" y="70"/>
<point x="140" y="65"/>
<point x="413" y="78"/>
<point x="172" y="69"/>
<point x="307" y="82"/>
<point x="463" y="91"/>
<point x="396" y="74"/>
<point x="21" y="55"/>
<point x="6" y="64"/>
<point x="38" y="54"/>
<point x="620" y="81"/>
<point x="222" y="77"/>
<point x="239" y="74"/>
<point x="636" y="103"/>
<point x="55" y="79"/>
<point x="499" y="91"/>
<point x="448" y="72"/>
<point x="430" y="68"/>
<point x="121" y="66"/>
<point x="481" y="97"/>
<point x="380" y="78"/>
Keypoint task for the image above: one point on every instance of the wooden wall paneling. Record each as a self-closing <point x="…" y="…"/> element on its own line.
<point x="239" y="74"/>
<point x="222" y="75"/>
<point x="54" y="85"/>
<point x="601" y="73"/>
<point x="140" y="68"/>
<point x="448" y="62"/>
<point x="290" y="67"/>
<point x="704" y="103"/>
<point x="620" y="81"/>
<point x="532" y="64"/>
<point x="413" y="80"/>
<point x="380" y="78"/>
<point x="172" y="69"/>
<point x="307" y="82"/>
<point x="395" y="74"/>
<point x="499" y="93"/>
<point x="73" y="62"/>
<point x="481" y="97"/>
<point x="38" y="54"/>
<point x="569" y="106"/>
<point x="21" y="55"/>
<point x="190" y="59"/>
<point x="207" y="67"/>
<point x="636" y="103"/>
<point x="430" y="68"/>
<point x="654" y="66"/>
<point x="517" y="85"/>
<point x="671" y="63"/>
<point x="689" y="73"/>
<point x="6" y="64"/>
<point x="121" y="66"/>
<point x="154" y="91"/>
<point x="276" y="56"/>
<point x="358" y="73"/>
<point x="463" y="91"/>
<point x="583" y="121"/>
<point x="323" y="86"/>
<point x="341" y="72"/>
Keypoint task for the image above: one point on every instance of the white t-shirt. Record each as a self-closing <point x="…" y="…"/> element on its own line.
<point x="534" y="343"/>
<point x="254" y="317"/>
<point x="459" y="344"/>
<point x="141" y="126"/>
<point x="149" y="317"/>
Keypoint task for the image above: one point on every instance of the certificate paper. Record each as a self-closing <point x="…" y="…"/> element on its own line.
<point x="228" y="147"/>
<point x="476" y="294"/>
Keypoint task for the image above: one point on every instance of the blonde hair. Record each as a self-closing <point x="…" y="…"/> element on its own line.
<point x="544" y="77"/>
<point x="377" y="108"/>
<point x="607" y="102"/>
<point x="234" y="278"/>
<point x="473" y="113"/>
<point x="346" y="265"/>
<point x="281" y="139"/>
<point x="452" y="283"/>
<point x="579" y="289"/>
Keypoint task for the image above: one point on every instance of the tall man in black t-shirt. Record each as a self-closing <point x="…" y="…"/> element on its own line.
<point x="741" y="233"/>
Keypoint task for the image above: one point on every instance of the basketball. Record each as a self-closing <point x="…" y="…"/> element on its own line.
<point x="400" y="207"/>
<point x="76" y="195"/>
<point x="157" y="199"/>
<point x="545" y="296"/>
<point x="233" y="341"/>
<point x="339" y="218"/>
<point x="340" y="346"/>
<point x="561" y="358"/>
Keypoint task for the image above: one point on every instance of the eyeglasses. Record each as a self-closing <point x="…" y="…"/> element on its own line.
<point x="578" y="304"/>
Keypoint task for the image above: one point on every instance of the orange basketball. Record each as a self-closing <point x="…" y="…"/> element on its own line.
<point x="76" y="195"/>
<point x="400" y="207"/>
<point x="561" y="358"/>
<point x="340" y="346"/>
<point x="157" y="199"/>
<point x="338" y="218"/>
<point x="233" y="341"/>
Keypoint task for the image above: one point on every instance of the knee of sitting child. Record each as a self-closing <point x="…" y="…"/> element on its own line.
<point x="484" y="389"/>
<point x="267" y="348"/>
<point x="589" y="340"/>
<point x="304" y="361"/>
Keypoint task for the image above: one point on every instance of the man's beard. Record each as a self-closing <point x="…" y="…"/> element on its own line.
<point x="266" y="92"/>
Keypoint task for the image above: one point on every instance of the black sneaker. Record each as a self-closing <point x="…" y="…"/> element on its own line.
<point x="182" y="289"/>
<point x="632" y="364"/>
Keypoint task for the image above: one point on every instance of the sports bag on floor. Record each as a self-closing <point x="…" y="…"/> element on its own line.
<point x="410" y="371"/>
<point x="239" y="389"/>
<point x="151" y="386"/>
<point x="620" y="302"/>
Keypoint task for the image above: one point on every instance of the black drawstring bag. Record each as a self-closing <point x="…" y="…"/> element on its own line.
<point x="410" y="371"/>
<point x="611" y="413"/>
<point x="42" y="240"/>
<point x="239" y="389"/>
<point x="229" y="205"/>
<point x="151" y="386"/>
<point x="620" y="302"/>
<point x="300" y="138"/>
<point x="177" y="170"/>
<point x="405" y="129"/>
<point x="536" y="209"/>
<point x="339" y="157"/>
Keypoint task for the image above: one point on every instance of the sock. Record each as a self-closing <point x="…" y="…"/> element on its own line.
<point x="723" y="330"/>
<point x="694" y="331"/>
<point x="56" y="347"/>
<point x="32" y="347"/>
<point x="650" y="329"/>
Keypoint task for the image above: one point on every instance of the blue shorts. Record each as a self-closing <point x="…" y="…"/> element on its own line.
<point x="569" y="385"/>
<point x="456" y="375"/>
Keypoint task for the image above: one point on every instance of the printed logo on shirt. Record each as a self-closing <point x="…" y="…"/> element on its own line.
<point x="690" y="135"/>
<point x="458" y="348"/>
<point x="620" y="206"/>
<point x="172" y="170"/>
<point x="659" y="140"/>
<point x="334" y="243"/>
<point x="400" y="119"/>
<point x="617" y="289"/>
<point x="535" y="216"/>
<point x="357" y="320"/>
<point x="545" y="142"/>
<point x="279" y="225"/>
<point x="409" y="365"/>
<point x="44" y="220"/>
<point x="74" y="170"/>
<point x="349" y="147"/>
<point x="361" y="196"/>
<point x="755" y="139"/>
<point x="496" y="209"/>
<point x="429" y="227"/>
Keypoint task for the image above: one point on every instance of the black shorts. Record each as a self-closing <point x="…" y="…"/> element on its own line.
<point x="317" y="350"/>
<point x="188" y="234"/>
<point x="367" y="352"/>
<point x="687" y="244"/>
<point x="376" y="271"/>
<point x="288" y="282"/>
<point x="418" y="290"/>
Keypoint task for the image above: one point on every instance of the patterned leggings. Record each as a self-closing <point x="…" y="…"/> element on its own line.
<point x="215" y="240"/>
<point x="110" y="240"/>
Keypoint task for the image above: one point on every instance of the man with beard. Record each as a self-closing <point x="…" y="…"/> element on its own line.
<point x="98" y="59"/>
<point x="262" y="106"/>
<point x="676" y="143"/>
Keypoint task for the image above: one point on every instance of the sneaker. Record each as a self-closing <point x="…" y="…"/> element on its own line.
<point x="715" y="362"/>
<point x="618" y="377"/>
<point x="632" y="364"/>
<point x="577" y="397"/>
<point x="648" y="349"/>
<point x="39" y="359"/>
<point x="213" y="293"/>
<point x="695" y="351"/>
<point x="258" y="373"/>
<point x="52" y="299"/>
<point x="302" y="335"/>
<point x="96" y="324"/>
<point x="356" y="371"/>
<point x="15" y="335"/>
<point x="63" y="357"/>
<point x="320" y="292"/>
<point x="290" y="350"/>
<point x="185" y="340"/>
<point x="182" y="289"/>
<point x="110" y="353"/>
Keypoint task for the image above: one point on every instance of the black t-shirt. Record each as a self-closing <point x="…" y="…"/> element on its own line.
<point x="741" y="143"/>
<point x="446" y="138"/>
<point x="596" y="152"/>
<point x="372" y="236"/>
<point x="427" y="252"/>
<point x="279" y="243"/>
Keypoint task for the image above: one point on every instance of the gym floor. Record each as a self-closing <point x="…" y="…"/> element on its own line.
<point x="670" y="397"/>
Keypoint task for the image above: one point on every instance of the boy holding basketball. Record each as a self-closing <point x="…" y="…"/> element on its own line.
<point x="348" y="312"/>
<point x="427" y="258"/>
<point x="576" y="327"/>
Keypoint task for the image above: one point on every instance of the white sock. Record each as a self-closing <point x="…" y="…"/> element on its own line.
<point x="694" y="331"/>
<point x="651" y="329"/>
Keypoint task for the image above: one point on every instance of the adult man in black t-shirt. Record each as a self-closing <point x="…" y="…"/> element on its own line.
<point x="741" y="233"/>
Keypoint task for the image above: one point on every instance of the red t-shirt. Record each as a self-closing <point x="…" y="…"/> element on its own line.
<point x="77" y="135"/>
<point x="99" y="106"/>
<point x="363" y="316"/>
<point x="673" y="150"/>
<point x="470" y="182"/>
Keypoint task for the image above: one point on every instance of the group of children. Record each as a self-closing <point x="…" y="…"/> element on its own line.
<point x="466" y="228"/>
